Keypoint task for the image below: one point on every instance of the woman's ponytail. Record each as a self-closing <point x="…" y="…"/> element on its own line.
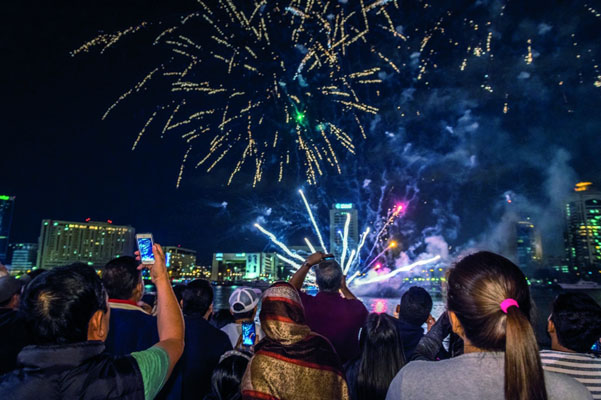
<point x="524" y="378"/>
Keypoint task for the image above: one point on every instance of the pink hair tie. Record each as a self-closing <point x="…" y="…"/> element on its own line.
<point x="505" y="304"/>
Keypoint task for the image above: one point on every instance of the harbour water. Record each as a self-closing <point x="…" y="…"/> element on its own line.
<point x="543" y="298"/>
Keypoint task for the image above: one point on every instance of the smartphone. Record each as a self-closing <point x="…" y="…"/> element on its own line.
<point x="596" y="348"/>
<point x="145" y="243"/>
<point x="248" y="333"/>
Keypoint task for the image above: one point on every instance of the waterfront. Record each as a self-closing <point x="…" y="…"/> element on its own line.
<point x="542" y="299"/>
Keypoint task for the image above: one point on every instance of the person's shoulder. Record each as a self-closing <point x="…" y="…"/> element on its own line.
<point x="229" y="328"/>
<point x="356" y="305"/>
<point x="304" y="296"/>
<point x="561" y="386"/>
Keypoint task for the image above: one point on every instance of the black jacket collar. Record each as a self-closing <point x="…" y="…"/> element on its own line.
<point x="66" y="355"/>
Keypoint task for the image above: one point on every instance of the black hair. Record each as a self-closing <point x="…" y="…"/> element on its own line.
<point x="477" y="286"/>
<point x="227" y="376"/>
<point x="221" y="318"/>
<point x="120" y="277"/>
<point x="179" y="290"/>
<point x="59" y="304"/>
<point x="197" y="297"/>
<point x="416" y="305"/>
<point x="328" y="276"/>
<point x="577" y="319"/>
<point x="380" y="360"/>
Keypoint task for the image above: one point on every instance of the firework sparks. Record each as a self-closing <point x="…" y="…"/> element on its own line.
<point x="278" y="243"/>
<point x="323" y="246"/>
<point x="278" y="68"/>
<point x="386" y="277"/>
<point x="354" y="253"/>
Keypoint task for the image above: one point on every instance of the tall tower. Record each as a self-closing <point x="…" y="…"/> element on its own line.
<point x="7" y="204"/>
<point x="583" y="228"/>
<point x="338" y="216"/>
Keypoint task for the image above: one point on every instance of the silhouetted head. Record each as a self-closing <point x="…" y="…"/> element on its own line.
<point x="328" y="276"/>
<point x="381" y="357"/>
<point x="227" y="375"/>
<point x="576" y="319"/>
<point x="66" y="305"/>
<point x="197" y="297"/>
<point x="122" y="279"/>
<point x="416" y="305"/>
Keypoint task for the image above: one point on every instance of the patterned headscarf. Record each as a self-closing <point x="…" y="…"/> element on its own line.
<point x="291" y="362"/>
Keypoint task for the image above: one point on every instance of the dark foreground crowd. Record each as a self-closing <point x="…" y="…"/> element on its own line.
<point x="69" y="334"/>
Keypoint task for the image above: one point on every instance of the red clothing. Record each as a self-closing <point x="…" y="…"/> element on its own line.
<point x="336" y="318"/>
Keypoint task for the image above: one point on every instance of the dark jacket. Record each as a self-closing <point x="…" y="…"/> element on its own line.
<point x="14" y="335"/>
<point x="130" y="330"/>
<point x="430" y="347"/>
<point x="73" y="371"/>
<point x="410" y="336"/>
<point x="191" y="378"/>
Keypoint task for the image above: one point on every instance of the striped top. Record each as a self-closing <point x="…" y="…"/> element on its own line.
<point x="585" y="368"/>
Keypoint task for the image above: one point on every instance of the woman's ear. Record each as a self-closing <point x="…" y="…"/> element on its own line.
<point x="456" y="325"/>
<point x="98" y="326"/>
<point x="550" y="326"/>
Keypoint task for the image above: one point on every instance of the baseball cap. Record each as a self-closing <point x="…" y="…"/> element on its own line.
<point x="8" y="287"/>
<point x="244" y="299"/>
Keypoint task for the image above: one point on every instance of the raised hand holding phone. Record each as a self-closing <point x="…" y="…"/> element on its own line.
<point x="145" y="242"/>
<point x="158" y="268"/>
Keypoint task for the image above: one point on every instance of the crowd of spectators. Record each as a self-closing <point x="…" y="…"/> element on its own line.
<point x="73" y="333"/>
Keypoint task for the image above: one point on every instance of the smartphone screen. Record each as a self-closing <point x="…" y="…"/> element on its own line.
<point x="596" y="348"/>
<point x="248" y="333"/>
<point x="145" y="247"/>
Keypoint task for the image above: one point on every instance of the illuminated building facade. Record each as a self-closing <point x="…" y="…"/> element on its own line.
<point x="7" y="205"/>
<point x="583" y="229"/>
<point x="529" y="247"/>
<point x="92" y="243"/>
<point x="338" y="214"/>
<point x="23" y="256"/>
<point x="181" y="262"/>
<point x="245" y="266"/>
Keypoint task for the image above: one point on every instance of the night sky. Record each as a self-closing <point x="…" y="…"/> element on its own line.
<point x="458" y="132"/>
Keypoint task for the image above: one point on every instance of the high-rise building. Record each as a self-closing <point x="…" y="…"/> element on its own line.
<point x="181" y="262"/>
<point x="245" y="266"/>
<point x="583" y="229"/>
<point x="338" y="216"/>
<point x="90" y="242"/>
<point x="529" y="248"/>
<point x="23" y="256"/>
<point x="7" y="204"/>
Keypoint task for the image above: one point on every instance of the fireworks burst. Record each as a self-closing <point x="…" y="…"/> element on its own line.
<point x="266" y="85"/>
<point x="351" y="265"/>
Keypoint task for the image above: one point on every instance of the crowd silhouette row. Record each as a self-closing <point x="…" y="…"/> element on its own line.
<point x="68" y="333"/>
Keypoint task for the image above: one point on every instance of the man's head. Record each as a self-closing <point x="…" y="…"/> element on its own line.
<point x="122" y="279"/>
<point x="328" y="276"/>
<point x="197" y="298"/>
<point x="10" y="289"/>
<point x="575" y="322"/>
<point x="243" y="303"/>
<point x="416" y="305"/>
<point x="66" y="305"/>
